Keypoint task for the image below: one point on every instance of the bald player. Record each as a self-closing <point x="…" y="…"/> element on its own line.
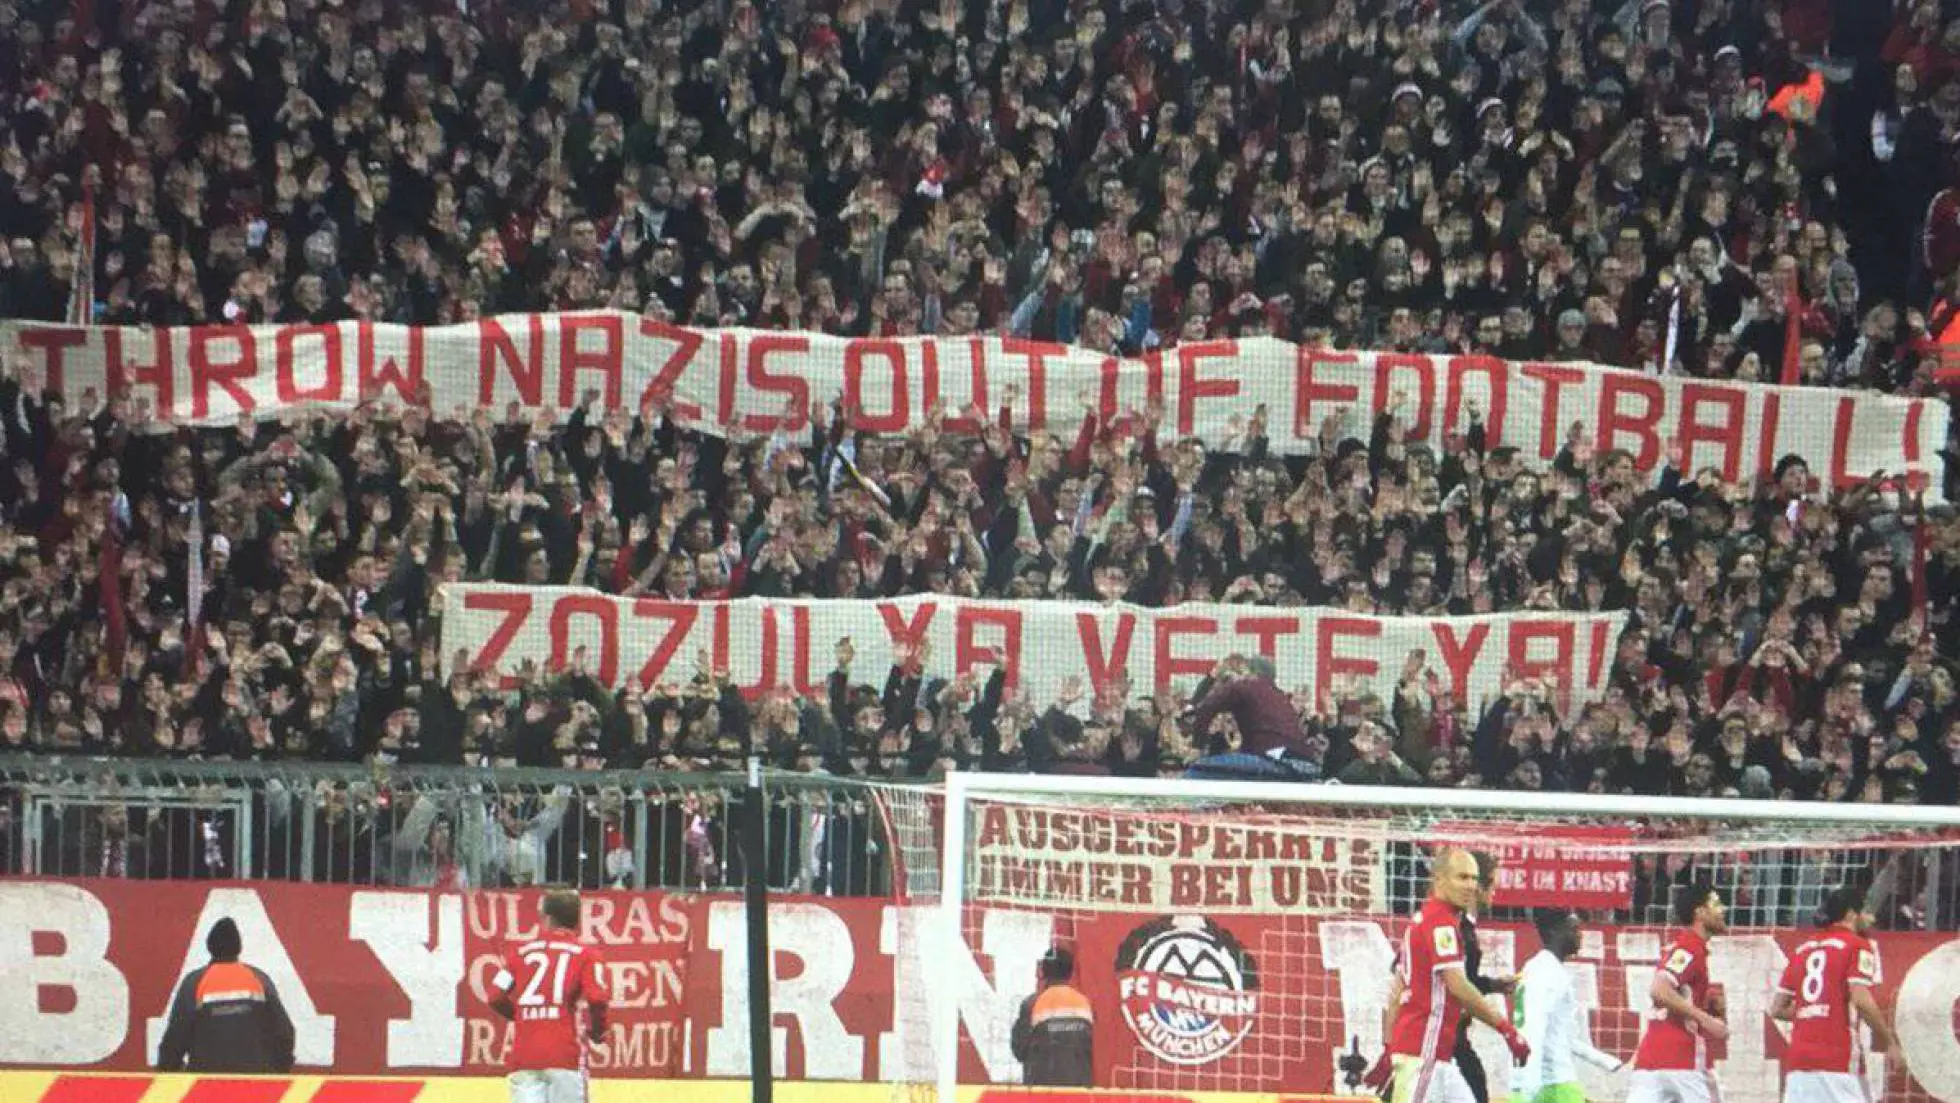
<point x="1436" y="992"/>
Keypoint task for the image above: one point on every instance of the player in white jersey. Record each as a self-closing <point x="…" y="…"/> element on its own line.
<point x="1545" y="1008"/>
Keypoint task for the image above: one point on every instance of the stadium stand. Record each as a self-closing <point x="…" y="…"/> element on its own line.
<point x="1720" y="189"/>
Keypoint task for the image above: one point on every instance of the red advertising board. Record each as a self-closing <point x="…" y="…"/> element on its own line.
<point x="1553" y="866"/>
<point x="384" y="982"/>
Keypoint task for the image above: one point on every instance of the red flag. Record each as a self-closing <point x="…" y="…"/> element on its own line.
<point x="1792" y="336"/>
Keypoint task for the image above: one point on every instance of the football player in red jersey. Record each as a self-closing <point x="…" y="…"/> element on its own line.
<point x="1672" y="1064"/>
<point x="1827" y="980"/>
<point x="540" y="987"/>
<point x="1436" y="992"/>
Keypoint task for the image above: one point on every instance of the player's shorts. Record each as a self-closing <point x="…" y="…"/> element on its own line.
<point x="1824" y="1087"/>
<point x="1672" y="1086"/>
<point x="1553" y="1093"/>
<point x="547" y="1086"/>
<point x="1436" y="1082"/>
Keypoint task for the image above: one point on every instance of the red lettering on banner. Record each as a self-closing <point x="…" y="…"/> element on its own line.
<point x="680" y="617"/>
<point x="1498" y="374"/>
<point x="898" y="414"/>
<point x="1916" y="477"/>
<point x="497" y="347"/>
<point x="1844" y="428"/>
<point x="667" y="381"/>
<point x="1842" y="424"/>
<point x="1153" y="380"/>
<point x="1170" y="664"/>
<point x="160" y="374"/>
<point x="377" y="372"/>
<point x="286" y="371"/>
<point x="795" y="415"/>
<point x="1038" y="355"/>
<point x="1459" y="656"/>
<point x="1386" y="367"/>
<point x="1725" y="435"/>
<point x="1329" y="665"/>
<point x="1104" y="663"/>
<point x="1108" y="401"/>
<point x="1005" y="652"/>
<point x="1551" y="418"/>
<point x="1615" y="419"/>
<point x="730" y="391"/>
<point x="1267" y="630"/>
<point x="1191" y="386"/>
<point x="600" y="608"/>
<point x="1602" y="640"/>
<point x="574" y="359"/>
<point x="214" y="1089"/>
<point x="1306" y="391"/>
<point x="800" y="647"/>
<point x="208" y="371"/>
<point x="765" y="680"/>
<point x="957" y="422"/>
<point x="907" y="634"/>
<point x="1524" y="633"/>
<point x="515" y="605"/>
<point x="1766" y="435"/>
<point x="54" y="345"/>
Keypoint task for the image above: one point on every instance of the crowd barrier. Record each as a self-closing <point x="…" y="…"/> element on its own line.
<point x="433" y="827"/>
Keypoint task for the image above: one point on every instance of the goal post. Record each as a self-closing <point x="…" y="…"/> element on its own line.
<point x="1237" y="937"/>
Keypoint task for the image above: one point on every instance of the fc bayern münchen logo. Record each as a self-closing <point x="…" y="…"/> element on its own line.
<point x="1188" y="990"/>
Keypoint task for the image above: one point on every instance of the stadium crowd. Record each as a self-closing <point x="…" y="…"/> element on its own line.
<point x="1655" y="185"/>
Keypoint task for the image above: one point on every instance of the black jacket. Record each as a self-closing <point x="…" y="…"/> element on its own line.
<point x="1054" y="1038"/>
<point x="227" y="1018"/>
<point x="1467" y="1062"/>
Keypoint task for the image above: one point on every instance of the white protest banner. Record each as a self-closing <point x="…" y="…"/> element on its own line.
<point x="765" y="381"/>
<point x="1100" y="859"/>
<point x="773" y="644"/>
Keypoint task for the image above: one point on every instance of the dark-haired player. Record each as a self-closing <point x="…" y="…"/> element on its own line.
<point x="1545" y="1007"/>
<point x="1672" y="1064"/>
<point x="1828" y="981"/>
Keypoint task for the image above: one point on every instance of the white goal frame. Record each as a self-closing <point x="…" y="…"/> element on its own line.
<point x="961" y="788"/>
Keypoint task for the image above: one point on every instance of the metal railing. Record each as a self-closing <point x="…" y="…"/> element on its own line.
<point x="430" y="826"/>
<point x="455" y="827"/>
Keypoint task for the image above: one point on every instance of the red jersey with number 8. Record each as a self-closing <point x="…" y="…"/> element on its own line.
<point x="1819" y="977"/>
<point x="1672" y="1043"/>
<point x="546" y="980"/>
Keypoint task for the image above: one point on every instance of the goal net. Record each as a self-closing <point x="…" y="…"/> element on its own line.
<point x="1239" y="937"/>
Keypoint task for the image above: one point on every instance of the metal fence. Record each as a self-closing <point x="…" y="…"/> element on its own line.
<point x="431" y="826"/>
<point x="426" y="826"/>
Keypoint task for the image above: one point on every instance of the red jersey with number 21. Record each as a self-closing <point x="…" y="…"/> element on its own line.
<point x="546" y="980"/>
<point x="1425" y="1024"/>
<point x="1671" y="1042"/>
<point x="1819" y="977"/>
